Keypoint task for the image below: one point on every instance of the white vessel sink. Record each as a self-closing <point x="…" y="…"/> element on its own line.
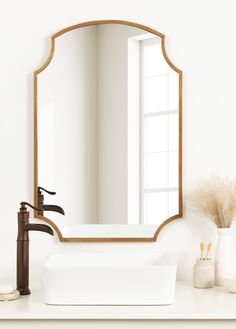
<point x="109" y="279"/>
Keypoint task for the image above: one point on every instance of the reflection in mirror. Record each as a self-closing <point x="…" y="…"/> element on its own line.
<point x="108" y="131"/>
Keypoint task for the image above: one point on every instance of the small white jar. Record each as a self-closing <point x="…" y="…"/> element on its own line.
<point x="204" y="273"/>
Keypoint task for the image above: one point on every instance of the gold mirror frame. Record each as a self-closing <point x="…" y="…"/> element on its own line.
<point x="42" y="68"/>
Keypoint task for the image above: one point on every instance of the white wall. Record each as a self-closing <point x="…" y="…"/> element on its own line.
<point x="201" y="40"/>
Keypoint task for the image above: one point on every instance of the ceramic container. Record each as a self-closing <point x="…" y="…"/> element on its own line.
<point x="223" y="255"/>
<point x="204" y="274"/>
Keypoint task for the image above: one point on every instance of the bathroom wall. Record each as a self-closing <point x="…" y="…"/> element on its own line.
<point x="200" y="39"/>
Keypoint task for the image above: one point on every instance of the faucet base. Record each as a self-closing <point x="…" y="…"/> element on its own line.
<point x="24" y="291"/>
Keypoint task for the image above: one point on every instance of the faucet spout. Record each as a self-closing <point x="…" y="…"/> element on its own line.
<point x="50" y="207"/>
<point x="39" y="227"/>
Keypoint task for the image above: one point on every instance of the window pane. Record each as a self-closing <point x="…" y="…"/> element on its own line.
<point x="154" y="60"/>
<point x="156" y="134"/>
<point x="173" y="131"/>
<point x="156" y="94"/>
<point x="174" y="91"/>
<point x="173" y="169"/>
<point x="173" y="203"/>
<point x="155" y="207"/>
<point x="156" y="170"/>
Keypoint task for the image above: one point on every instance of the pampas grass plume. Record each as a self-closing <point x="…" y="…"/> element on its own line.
<point x="215" y="198"/>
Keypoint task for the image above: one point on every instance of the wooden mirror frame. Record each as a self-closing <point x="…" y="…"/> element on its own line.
<point x="42" y="68"/>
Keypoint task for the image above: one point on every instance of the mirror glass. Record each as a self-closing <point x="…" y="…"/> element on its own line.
<point x="108" y="131"/>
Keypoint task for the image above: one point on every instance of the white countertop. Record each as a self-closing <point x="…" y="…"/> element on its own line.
<point x="190" y="303"/>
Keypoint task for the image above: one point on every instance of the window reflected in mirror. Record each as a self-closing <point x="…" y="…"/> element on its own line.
<point x="154" y="131"/>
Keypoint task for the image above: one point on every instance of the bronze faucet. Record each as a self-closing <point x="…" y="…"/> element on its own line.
<point x="47" y="207"/>
<point x="23" y="246"/>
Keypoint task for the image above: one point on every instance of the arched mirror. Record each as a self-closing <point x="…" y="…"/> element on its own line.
<point x="108" y="133"/>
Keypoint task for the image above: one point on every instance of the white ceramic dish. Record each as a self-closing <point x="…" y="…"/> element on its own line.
<point x="229" y="281"/>
<point x="110" y="279"/>
<point x="10" y="296"/>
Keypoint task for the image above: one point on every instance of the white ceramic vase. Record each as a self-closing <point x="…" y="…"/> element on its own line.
<point x="223" y="255"/>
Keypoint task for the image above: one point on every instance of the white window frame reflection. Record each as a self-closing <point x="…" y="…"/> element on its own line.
<point x="149" y="115"/>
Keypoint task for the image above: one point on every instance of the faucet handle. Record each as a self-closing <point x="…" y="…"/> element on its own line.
<point x="43" y="207"/>
<point x="23" y="205"/>
<point x="43" y="189"/>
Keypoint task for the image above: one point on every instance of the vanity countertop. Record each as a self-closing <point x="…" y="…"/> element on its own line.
<point x="190" y="303"/>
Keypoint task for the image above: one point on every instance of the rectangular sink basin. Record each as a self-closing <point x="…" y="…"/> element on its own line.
<point x="109" y="279"/>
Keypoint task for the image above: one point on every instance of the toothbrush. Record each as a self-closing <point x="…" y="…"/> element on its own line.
<point x="208" y="251"/>
<point x="202" y="250"/>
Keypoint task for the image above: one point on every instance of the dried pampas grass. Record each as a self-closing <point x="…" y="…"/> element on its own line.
<point x="215" y="198"/>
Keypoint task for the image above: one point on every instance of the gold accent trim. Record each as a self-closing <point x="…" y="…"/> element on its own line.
<point x="42" y="68"/>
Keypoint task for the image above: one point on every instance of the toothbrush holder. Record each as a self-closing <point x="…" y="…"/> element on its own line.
<point x="204" y="273"/>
